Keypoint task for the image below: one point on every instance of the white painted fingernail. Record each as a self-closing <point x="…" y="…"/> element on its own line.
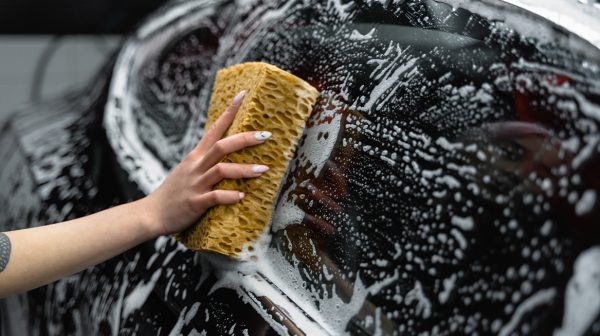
<point x="237" y="100"/>
<point x="259" y="168"/>
<point x="241" y="195"/>
<point x="262" y="136"/>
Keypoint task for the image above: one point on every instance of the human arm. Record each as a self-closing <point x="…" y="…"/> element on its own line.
<point x="41" y="255"/>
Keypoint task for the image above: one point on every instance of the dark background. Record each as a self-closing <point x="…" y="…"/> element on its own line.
<point x="51" y="47"/>
<point x="73" y="16"/>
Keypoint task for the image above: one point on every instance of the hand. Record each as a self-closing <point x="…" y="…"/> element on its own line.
<point x="320" y="199"/>
<point x="187" y="192"/>
<point x="541" y="150"/>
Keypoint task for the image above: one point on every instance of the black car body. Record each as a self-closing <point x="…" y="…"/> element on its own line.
<point x="445" y="182"/>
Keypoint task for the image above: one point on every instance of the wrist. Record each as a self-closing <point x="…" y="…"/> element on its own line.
<point x="148" y="219"/>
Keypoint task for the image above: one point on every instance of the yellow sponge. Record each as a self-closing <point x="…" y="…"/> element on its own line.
<point x="275" y="101"/>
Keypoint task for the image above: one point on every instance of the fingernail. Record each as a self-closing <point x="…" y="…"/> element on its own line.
<point x="259" y="169"/>
<point x="241" y="195"/>
<point x="237" y="100"/>
<point x="262" y="136"/>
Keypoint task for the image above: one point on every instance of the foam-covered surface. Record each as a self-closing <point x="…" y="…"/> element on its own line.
<point x="278" y="102"/>
<point x="438" y="225"/>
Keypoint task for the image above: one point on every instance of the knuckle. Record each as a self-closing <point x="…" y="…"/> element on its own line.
<point x="239" y="170"/>
<point x="192" y="204"/>
<point x="192" y="155"/>
<point x="213" y="197"/>
<point x="219" y="147"/>
<point x="219" y="169"/>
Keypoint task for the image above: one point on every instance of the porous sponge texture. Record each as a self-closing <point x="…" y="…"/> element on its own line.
<point x="275" y="101"/>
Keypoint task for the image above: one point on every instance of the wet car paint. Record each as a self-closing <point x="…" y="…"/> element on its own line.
<point x="444" y="183"/>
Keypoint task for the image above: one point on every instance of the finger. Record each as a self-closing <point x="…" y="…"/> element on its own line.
<point x="512" y="129"/>
<point x="224" y="170"/>
<point x="316" y="201"/>
<point x="536" y="140"/>
<point x="318" y="225"/>
<point x="217" y="197"/>
<point x="220" y="126"/>
<point x="335" y="179"/>
<point x="231" y="144"/>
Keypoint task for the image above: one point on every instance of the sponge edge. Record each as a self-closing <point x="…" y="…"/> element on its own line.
<point x="275" y="101"/>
